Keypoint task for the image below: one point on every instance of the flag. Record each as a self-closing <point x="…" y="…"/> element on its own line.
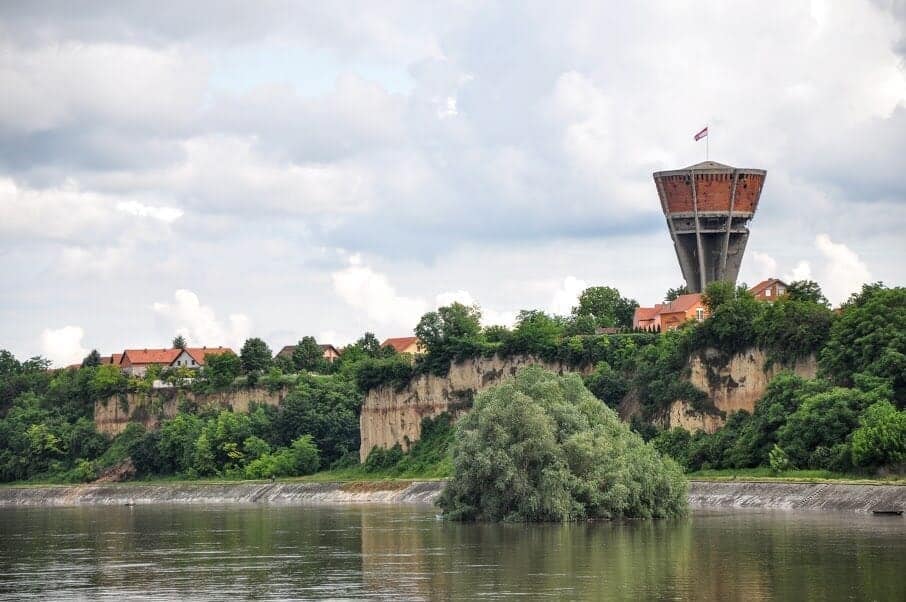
<point x="702" y="134"/>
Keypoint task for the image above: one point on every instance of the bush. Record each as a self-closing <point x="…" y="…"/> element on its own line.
<point x="788" y="329"/>
<point x="778" y="460"/>
<point x="371" y="373"/>
<point x="543" y="448"/>
<point x="880" y="439"/>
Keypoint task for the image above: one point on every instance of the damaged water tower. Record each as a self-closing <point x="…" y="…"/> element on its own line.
<point x="708" y="207"/>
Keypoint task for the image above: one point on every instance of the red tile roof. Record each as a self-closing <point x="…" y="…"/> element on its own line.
<point x="400" y="343"/>
<point x="765" y="284"/>
<point x="681" y="303"/>
<point x="646" y="313"/>
<point x="200" y="353"/>
<point x="150" y="356"/>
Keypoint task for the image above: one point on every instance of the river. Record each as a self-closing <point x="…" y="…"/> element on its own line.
<point x="263" y="552"/>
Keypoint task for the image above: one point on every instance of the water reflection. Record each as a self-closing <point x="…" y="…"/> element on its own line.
<point x="260" y="552"/>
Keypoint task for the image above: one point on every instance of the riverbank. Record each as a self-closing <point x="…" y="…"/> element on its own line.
<point x="703" y="495"/>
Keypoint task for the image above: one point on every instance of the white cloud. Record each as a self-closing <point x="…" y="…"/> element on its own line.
<point x="844" y="273"/>
<point x="567" y="295"/>
<point x="767" y="265"/>
<point x="489" y="316"/>
<point x="164" y="214"/>
<point x="199" y="323"/>
<point x="371" y="292"/>
<point x="63" y="346"/>
<point x="802" y="271"/>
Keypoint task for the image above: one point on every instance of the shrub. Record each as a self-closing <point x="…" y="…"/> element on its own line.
<point x="778" y="460"/>
<point x="543" y="448"/>
<point x="880" y="439"/>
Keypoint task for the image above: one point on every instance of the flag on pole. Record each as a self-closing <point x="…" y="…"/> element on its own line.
<point x="702" y="134"/>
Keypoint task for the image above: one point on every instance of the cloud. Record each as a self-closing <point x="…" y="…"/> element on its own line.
<point x="63" y="346"/>
<point x="567" y="295"/>
<point x="371" y="292"/>
<point x="843" y="273"/>
<point x="767" y="265"/>
<point x="164" y="214"/>
<point x="489" y="316"/>
<point x="186" y="316"/>
<point x="801" y="271"/>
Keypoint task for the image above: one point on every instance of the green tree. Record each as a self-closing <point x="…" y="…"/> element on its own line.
<point x="221" y="369"/>
<point x="606" y="306"/>
<point x="806" y="290"/>
<point x="778" y="460"/>
<point x="673" y="293"/>
<point x="536" y="333"/>
<point x="179" y="342"/>
<point x="176" y="445"/>
<point x="880" y="439"/>
<point x="869" y="338"/>
<point x="108" y="380"/>
<point x="92" y="359"/>
<point x="718" y="293"/>
<point x="542" y="448"/>
<point x="453" y="332"/>
<point x="255" y="356"/>
<point x="607" y="384"/>
<point x="789" y="328"/>
<point x="308" y="356"/>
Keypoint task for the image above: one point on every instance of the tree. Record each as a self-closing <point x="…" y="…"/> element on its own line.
<point x="452" y="332"/>
<point x="307" y="355"/>
<point x="536" y="333"/>
<point x="806" y="290"/>
<point x="880" y="439"/>
<point x="673" y="293"/>
<point x="607" y="306"/>
<point x="542" y="448"/>
<point x="179" y="342"/>
<point x="790" y="328"/>
<point x="718" y="293"/>
<point x="92" y="359"/>
<point x="256" y="356"/>
<point x="869" y="338"/>
<point x="221" y="369"/>
<point x="607" y="385"/>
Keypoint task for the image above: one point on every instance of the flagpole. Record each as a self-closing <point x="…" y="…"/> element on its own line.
<point x="707" y="141"/>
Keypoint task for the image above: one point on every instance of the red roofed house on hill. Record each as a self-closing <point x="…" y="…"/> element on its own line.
<point x="135" y="362"/>
<point x="769" y="290"/>
<point x="329" y="352"/>
<point x="194" y="357"/>
<point x="669" y="316"/>
<point x="409" y="345"/>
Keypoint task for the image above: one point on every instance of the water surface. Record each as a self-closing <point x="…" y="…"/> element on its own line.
<point x="401" y="553"/>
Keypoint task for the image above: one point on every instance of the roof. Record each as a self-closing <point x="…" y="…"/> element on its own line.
<point x="681" y="303"/>
<point x="112" y="359"/>
<point x="765" y="284"/>
<point x="288" y="350"/>
<point x="329" y="347"/>
<point x="709" y="165"/>
<point x="200" y="353"/>
<point x="400" y="344"/>
<point x="150" y="356"/>
<point x="647" y="313"/>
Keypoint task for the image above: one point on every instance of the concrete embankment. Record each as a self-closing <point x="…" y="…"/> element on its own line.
<point x="703" y="495"/>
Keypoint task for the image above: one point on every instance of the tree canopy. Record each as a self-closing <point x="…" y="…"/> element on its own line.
<point x="606" y="306"/>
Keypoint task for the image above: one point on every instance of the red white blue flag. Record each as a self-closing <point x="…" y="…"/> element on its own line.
<point x="702" y="134"/>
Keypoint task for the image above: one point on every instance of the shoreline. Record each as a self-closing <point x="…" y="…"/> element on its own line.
<point x="703" y="494"/>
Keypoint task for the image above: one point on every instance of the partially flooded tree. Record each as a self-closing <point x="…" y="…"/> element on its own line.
<point x="542" y="448"/>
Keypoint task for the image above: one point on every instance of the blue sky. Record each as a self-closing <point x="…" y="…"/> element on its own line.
<point x="280" y="169"/>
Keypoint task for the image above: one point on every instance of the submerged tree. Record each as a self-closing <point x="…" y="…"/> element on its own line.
<point x="542" y="448"/>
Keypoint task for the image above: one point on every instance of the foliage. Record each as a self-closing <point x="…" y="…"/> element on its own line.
<point x="673" y="293"/>
<point x="179" y="342"/>
<point x="806" y="291"/>
<point x="300" y="458"/>
<point x="543" y="448"/>
<point x="606" y="306"/>
<point x="675" y="443"/>
<point x="880" y="439"/>
<point x="255" y="356"/>
<point x="451" y="333"/>
<point x="869" y="338"/>
<point x="93" y="359"/>
<point x="778" y="460"/>
<point x="395" y="370"/>
<point x="731" y="326"/>
<point x="718" y="293"/>
<point x="789" y="329"/>
<point x="221" y="369"/>
<point x="534" y="334"/>
<point x="307" y="355"/>
<point x="428" y="457"/>
<point x="607" y="384"/>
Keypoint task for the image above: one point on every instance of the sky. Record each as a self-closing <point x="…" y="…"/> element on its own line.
<point x="278" y="169"/>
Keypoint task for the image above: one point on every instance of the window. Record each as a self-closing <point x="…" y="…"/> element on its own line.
<point x="700" y="314"/>
<point x="193" y="362"/>
<point x="767" y="292"/>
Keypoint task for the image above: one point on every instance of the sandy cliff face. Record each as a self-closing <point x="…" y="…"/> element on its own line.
<point x="390" y="416"/>
<point x="731" y="385"/>
<point x="113" y="414"/>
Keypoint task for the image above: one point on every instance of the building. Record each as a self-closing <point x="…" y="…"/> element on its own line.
<point x="194" y="357"/>
<point x="769" y="290"/>
<point x="328" y="351"/>
<point x="708" y="207"/>
<point x="135" y="362"/>
<point x="410" y="345"/>
<point x="671" y="315"/>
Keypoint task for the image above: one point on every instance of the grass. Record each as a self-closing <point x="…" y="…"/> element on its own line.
<point x="792" y="476"/>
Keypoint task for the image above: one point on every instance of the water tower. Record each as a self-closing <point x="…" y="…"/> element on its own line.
<point x="708" y="207"/>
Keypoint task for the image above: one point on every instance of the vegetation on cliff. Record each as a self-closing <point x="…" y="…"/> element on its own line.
<point x="543" y="448"/>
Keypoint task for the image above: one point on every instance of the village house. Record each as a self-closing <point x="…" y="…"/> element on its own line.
<point x="135" y="362"/>
<point x="769" y="290"/>
<point x="410" y="345"/>
<point x="328" y="351"/>
<point x="671" y="315"/>
<point x="194" y="357"/>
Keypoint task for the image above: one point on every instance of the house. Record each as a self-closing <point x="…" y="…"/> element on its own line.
<point x="194" y="357"/>
<point x="769" y="290"/>
<point x="410" y="345"/>
<point x="671" y="315"/>
<point x="135" y="362"/>
<point x="328" y="351"/>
